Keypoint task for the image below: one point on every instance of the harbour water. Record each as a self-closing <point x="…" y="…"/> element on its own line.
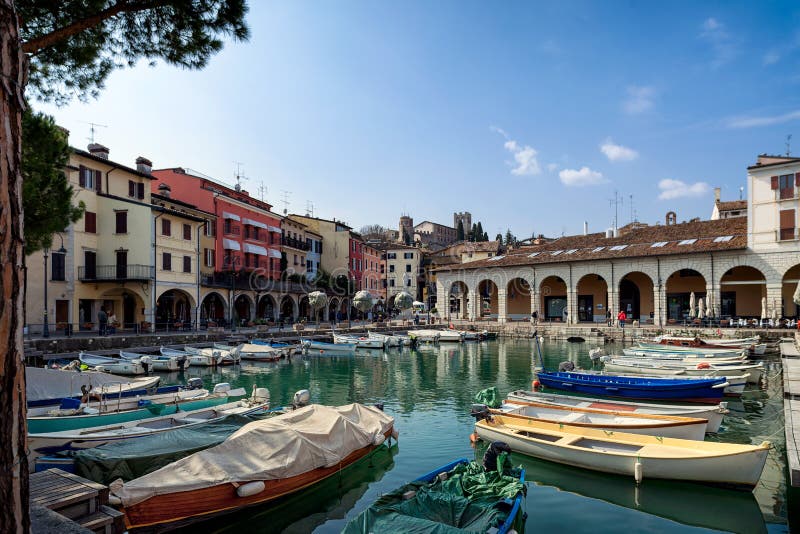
<point x="430" y="390"/>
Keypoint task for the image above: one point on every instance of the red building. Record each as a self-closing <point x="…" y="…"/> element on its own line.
<point x="248" y="233"/>
<point x="355" y="260"/>
<point x="371" y="272"/>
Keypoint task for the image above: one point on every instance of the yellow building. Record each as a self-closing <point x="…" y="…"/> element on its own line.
<point x="294" y="246"/>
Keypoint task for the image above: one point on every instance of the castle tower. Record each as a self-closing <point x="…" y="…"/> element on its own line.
<point x="407" y="226"/>
<point x="465" y="219"/>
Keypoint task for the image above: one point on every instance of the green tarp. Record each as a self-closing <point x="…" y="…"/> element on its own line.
<point x="490" y="397"/>
<point x="470" y="500"/>
<point x="136" y="457"/>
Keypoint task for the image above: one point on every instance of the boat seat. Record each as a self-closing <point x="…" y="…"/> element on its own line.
<point x="574" y="417"/>
<point x="569" y="440"/>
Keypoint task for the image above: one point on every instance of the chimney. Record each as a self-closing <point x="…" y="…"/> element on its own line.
<point x="717" y="191"/>
<point x="144" y="165"/>
<point x="96" y="149"/>
<point x="585" y="227"/>
<point x="164" y="190"/>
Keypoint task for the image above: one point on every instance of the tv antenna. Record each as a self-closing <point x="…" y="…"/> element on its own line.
<point x="309" y="208"/>
<point x="741" y="192"/>
<point x="789" y="145"/>
<point x="262" y="190"/>
<point x="93" y="128"/>
<point x="239" y="175"/>
<point x="616" y="202"/>
<point x="285" y="200"/>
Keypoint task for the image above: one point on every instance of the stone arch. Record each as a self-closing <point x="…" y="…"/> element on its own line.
<point x="741" y="289"/>
<point x="214" y="309"/>
<point x="288" y="309"/>
<point x="788" y="287"/>
<point x="487" y="299"/>
<point x="636" y="296"/>
<point x="266" y="307"/>
<point x="458" y="296"/>
<point x="127" y="304"/>
<point x="592" y="298"/>
<point x="518" y="299"/>
<point x="304" y="308"/>
<point x="174" y="306"/>
<point x="243" y="308"/>
<point x="680" y="285"/>
<point x="333" y="306"/>
<point x="553" y="290"/>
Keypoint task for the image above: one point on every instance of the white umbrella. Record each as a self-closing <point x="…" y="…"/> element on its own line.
<point x="774" y="310"/>
<point x="403" y="300"/>
<point x="763" y="307"/>
<point x="691" y="305"/>
<point x="363" y="300"/>
<point x="709" y="306"/>
<point x="317" y="300"/>
<point x="701" y="312"/>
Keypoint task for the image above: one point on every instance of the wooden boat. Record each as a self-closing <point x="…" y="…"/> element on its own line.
<point x="224" y="357"/>
<point x="195" y="360"/>
<point x="388" y="340"/>
<point x="361" y="342"/>
<point x="47" y="443"/>
<point x="451" y="336"/>
<point x="263" y="461"/>
<point x="310" y="345"/>
<point x="398" y="512"/>
<point x="713" y="414"/>
<point x="659" y="367"/>
<point x="261" y="353"/>
<point x="681" y="356"/>
<point x="48" y="387"/>
<point x="634" y="455"/>
<point x="425" y="336"/>
<point x="656" y="425"/>
<point x="115" y="366"/>
<point x="158" y="363"/>
<point x="290" y="348"/>
<point x="753" y="343"/>
<point x="701" y="390"/>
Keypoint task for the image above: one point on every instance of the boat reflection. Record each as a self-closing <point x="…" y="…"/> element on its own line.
<point x="329" y="500"/>
<point x="689" y="504"/>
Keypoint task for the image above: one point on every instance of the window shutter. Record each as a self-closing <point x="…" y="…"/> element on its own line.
<point x="774" y="182"/>
<point x="98" y="181"/>
<point x="122" y="222"/>
<point x="187" y="232"/>
<point x="131" y="188"/>
<point x="187" y="264"/>
<point x="82" y="176"/>
<point x="140" y="191"/>
<point x="787" y="219"/>
<point x="797" y="179"/>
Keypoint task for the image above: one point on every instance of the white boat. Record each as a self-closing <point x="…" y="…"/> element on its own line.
<point x="263" y="353"/>
<point x="223" y="356"/>
<point x="754" y="343"/>
<point x="453" y="336"/>
<point x="404" y="339"/>
<point x="361" y="342"/>
<point x="713" y="414"/>
<point x="388" y="340"/>
<point x="634" y="455"/>
<point x="311" y="346"/>
<point x="223" y="346"/>
<point x="424" y="336"/>
<point x="656" y="425"/>
<point x="48" y="387"/>
<point x="681" y="356"/>
<point x="86" y="438"/>
<point x="657" y="367"/>
<point x="675" y="349"/>
<point x="115" y="366"/>
<point x="195" y="360"/>
<point x="158" y="363"/>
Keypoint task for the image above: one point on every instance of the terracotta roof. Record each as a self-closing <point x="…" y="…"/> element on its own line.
<point x="659" y="240"/>
<point x="732" y="205"/>
<point x="443" y="260"/>
<point x="110" y="163"/>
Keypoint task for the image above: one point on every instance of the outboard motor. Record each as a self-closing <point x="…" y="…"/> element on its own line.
<point x="260" y="395"/>
<point x="183" y="361"/>
<point x="301" y="398"/>
<point x="480" y="412"/>
<point x="379" y="405"/>
<point x="146" y="361"/>
<point x="221" y="388"/>
<point x="566" y="367"/>
<point x="493" y="453"/>
<point x="596" y="353"/>
<point x="194" y="383"/>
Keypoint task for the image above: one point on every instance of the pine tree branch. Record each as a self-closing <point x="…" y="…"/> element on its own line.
<point x="123" y="6"/>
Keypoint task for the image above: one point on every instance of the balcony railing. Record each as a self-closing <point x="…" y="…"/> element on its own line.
<point x="295" y="243"/>
<point x="232" y="229"/>
<point x="242" y="280"/>
<point x="115" y="273"/>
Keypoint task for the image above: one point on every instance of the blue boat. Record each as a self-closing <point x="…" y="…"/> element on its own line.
<point x="630" y="387"/>
<point x="266" y="343"/>
<point x="486" y="502"/>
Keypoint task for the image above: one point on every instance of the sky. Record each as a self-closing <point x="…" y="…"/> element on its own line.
<point x="529" y="115"/>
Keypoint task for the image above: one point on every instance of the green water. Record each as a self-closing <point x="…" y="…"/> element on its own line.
<point x="429" y="392"/>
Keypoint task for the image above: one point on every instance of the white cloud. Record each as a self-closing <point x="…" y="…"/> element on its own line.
<point x="751" y="122"/>
<point x="584" y="176"/>
<point x="616" y="152"/>
<point x="639" y="99"/>
<point x="671" y="189"/>
<point x="552" y="166"/>
<point x="722" y="45"/>
<point x="525" y="162"/>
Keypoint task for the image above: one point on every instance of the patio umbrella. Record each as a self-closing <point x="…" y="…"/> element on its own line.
<point x="709" y="306"/>
<point x="317" y="300"/>
<point x="701" y="312"/>
<point x="691" y="305"/>
<point x="403" y="300"/>
<point x="774" y="310"/>
<point x="763" y="307"/>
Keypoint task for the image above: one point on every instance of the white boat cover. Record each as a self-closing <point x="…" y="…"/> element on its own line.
<point x="273" y="449"/>
<point x="248" y="348"/>
<point x="42" y="384"/>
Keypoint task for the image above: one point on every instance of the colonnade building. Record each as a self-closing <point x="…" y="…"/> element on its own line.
<point x="738" y="266"/>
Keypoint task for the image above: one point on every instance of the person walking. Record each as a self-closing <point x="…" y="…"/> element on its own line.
<point x="102" y="320"/>
<point x="535" y="317"/>
<point x="621" y="317"/>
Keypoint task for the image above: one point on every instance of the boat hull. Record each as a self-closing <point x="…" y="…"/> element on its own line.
<point x="632" y="388"/>
<point x="309" y="345"/>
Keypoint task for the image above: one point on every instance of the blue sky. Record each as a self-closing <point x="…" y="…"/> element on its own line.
<point x="528" y="115"/>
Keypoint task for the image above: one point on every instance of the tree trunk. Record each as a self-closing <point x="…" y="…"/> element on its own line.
<point x="14" y="495"/>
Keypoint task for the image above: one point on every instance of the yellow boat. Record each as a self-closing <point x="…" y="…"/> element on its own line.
<point x="639" y="456"/>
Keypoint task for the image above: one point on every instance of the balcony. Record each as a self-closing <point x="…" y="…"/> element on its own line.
<point x="243" y="280"/>
<point x="295" y="243"/>
<point x="115" y="273"/>
<point x="232" y="229"/>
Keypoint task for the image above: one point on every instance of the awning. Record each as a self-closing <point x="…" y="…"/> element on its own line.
<point x="274" y="229"/>
<point x="226" y="215"/>
<point x="230" y="244"/>
<point x="257" y="224"/>
<point x="274" y="253"/>
<point x="255" y="249"/>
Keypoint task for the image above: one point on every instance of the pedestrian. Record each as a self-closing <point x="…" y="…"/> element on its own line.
<point x="608" y="318"/>
<point x="416" y="318"/>
<point x="102" y="320"/>
<point x="535" y="317"/>
<point x="565" y="314"/>
<point x="112" y="322"/>
<point x="621" y="317"/>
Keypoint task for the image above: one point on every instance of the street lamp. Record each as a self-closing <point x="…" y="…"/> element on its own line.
<point x="46" y="250"/>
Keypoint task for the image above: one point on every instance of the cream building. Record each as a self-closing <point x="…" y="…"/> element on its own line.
<point x="401" y="271"/>
<point x="294" y="245"/>
<point x="336" y="238"/>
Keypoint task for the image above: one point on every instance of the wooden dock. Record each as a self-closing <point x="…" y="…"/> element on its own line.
<point x="790" y="356"/>
<point x="75" y="498"/>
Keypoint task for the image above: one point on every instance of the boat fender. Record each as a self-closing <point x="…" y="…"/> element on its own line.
<point x="251" y="488"/>
<point x="536" y="385"/>
<point x="704" y="365"/>
<point x="638" y="472"/>
<point x="222" y="387"/>
<point x="113" y="499"/>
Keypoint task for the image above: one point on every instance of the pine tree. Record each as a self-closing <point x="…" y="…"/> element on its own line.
<point x="60" y="50"/>
<point x="499" y="239"/>
<point x="479" y="232"/>
<point x="485" y="237"/>
<point x="473" y="232"/>
<point x="460" y="231"/>
<point x="510" y="239"/>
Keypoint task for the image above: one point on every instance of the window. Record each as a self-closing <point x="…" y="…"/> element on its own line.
<point x="140" y="191"/>
<point x="659" y="244"/>
<point x="723" y="239"/>
<point x="408" y="282"/>
<point x="166" y="227"/>
<point x="211" y="228"/>
<point x="408" y="267"/>
<point x="556" y="252"/>
<point x="408" y="255"/>
<point x="391" y="268"/>
<point x="166" y="261"/>
<point x="131" y="188"/>
<point x="392" y="255"/>
<point x="598" y="249"/>
<point x="786" y="184"/>
<point x="571" y="251"/>
<point x="618" y="247"/>
<point x="391" y="282"/>
<point x="534" y="254"/>
<point x="57" y="269"/>
<point x="209" y="255"/>
<point x="688" y="242"/>
<point x="89" y="178"/>
<point x="187" y="264"/>
<point x="787" y="225"/>
<point x="295" y="259"/>
<point x="90" y="222"/>
<point x="187" y="232"/>
<point x="90" y="264"/>
<point x="500" y="257"/>
<point x="122" y="222"/>
<point x="122" y="264"/>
